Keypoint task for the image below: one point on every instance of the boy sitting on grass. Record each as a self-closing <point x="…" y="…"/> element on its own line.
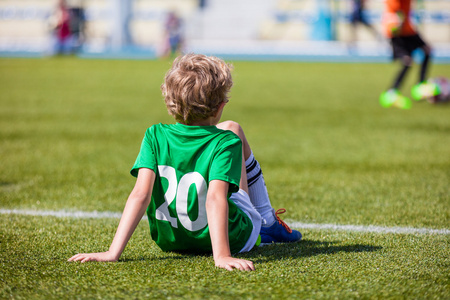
<point x="197" y="179"/>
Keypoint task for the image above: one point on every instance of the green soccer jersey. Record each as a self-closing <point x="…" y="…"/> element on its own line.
<point x="185" y="159"/>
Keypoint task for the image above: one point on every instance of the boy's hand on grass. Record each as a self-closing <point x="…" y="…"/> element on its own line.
<point x="231" y="263"/>
<point x="101" y="256"/>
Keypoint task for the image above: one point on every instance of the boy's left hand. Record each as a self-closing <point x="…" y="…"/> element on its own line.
<point x="231" y="263"/>
<point x="101" y="256"/>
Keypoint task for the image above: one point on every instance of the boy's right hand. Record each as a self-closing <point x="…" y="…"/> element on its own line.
<point x="231" y="263"/>
<point x="100" y="256"/>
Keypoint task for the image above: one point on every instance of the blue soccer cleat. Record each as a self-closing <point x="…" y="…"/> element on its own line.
<point x="279" y="232"/>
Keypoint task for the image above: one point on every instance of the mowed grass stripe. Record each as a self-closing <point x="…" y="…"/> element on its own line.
<point x="294" y="224"/>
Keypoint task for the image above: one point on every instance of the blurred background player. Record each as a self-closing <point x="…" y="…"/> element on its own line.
<point x="60" y="25"/>
<point x="173" y="38"/>
<point x="404" y="40"/>
<point x="67" y="25"/>
<point x="358" y="16"/>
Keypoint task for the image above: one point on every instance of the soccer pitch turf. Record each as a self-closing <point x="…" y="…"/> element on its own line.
<point x="71" y="129"/>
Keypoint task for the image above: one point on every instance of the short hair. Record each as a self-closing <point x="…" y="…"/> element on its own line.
<point x="195" y="86"/>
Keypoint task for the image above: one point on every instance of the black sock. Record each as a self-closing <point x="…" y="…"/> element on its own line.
<point x="424" y="67"/>
<point x="400" y="77"/>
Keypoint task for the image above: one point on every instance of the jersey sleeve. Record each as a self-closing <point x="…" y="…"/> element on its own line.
<point x="146" y="157"/>
<point x="227" y="164"/>
<point x="393" y="5"/>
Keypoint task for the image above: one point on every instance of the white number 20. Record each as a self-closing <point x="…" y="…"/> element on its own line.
<point x="178" y="191"/>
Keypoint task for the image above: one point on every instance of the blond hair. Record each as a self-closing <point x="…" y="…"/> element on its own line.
<point x="195" y="86"/>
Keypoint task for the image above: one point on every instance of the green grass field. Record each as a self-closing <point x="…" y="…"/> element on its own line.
<point x="70" y="130"/>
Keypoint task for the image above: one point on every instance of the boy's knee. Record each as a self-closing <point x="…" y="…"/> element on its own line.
<point x="231" y="126"/>
<point x="407" y="61"/>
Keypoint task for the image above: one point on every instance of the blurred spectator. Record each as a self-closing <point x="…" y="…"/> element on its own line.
<point x="173" y="35"/>
<point x="60" y="26"/>
<point x="67" y="25"/>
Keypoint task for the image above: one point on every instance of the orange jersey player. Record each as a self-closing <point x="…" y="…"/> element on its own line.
<point x="396" y="21"/>
<point x="405" y="40"/>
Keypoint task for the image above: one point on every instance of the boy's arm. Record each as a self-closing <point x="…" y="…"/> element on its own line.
<point x="217" y="213"/>
<point x="135" y="208"/>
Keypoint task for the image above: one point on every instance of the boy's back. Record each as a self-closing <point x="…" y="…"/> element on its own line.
<point x="185" y="159"/>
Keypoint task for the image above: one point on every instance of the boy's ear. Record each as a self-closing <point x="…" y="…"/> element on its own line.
<point x="221" y="106"/>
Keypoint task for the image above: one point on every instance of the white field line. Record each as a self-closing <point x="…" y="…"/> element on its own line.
<point x="293" y="224"/>
<point x="370" y="228"/>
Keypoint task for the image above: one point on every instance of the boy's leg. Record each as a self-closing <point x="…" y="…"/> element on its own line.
<point x="258" y="191"/>
<point x="252" y="180"/>
<point x="273" y="228"/>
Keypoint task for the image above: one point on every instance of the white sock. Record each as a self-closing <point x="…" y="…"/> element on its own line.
<point x="257" y="191"/>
